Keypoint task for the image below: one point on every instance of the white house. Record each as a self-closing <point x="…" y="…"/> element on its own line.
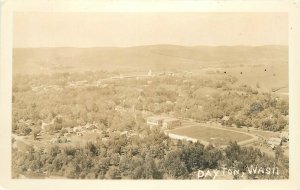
<point x="54" y="140"/>
<point x="274" y="142"/>
<point x="79" y="134"/>
<point x="77" y="129"/>
<point x="284" y="135"/>
<point x="225" y="118"/>
<point x="67" y="134"/>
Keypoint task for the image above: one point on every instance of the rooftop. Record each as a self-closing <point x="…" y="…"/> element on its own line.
<point x="275" y="141"/>
<point x="225" y="118"/>
<point x="171" y="119"/>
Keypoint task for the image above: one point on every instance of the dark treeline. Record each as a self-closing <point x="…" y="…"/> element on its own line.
<point x="154" y="157"/>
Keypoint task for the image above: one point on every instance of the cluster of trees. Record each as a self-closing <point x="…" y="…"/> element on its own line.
<point x="253" y="110"/>
<point x="200" y="98"/>
<point x="153" y="157"/>
<point x="69" y="108"/>
<point x="243" y="157"/>
<point x="119" y="106"/>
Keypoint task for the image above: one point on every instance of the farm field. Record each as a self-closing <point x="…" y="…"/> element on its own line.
<point x="212" y="135"/>
<point x="267" y="77"/>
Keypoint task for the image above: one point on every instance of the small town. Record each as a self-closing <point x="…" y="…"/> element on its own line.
<point x="152" y="95"/>
<point x="134" y="112"/>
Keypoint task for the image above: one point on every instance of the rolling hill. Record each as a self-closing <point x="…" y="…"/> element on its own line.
<point x="141" y="58"/>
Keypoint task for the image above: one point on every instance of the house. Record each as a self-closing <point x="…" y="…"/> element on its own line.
<point x="67" y="134"/>
<point x="77" y="129"/>
<point x="54" y="140"/>
<point x="284" y="135"/>
<point x="89" y="126"/>
<point x="93" y="127"/>
<point x="79" y="134"/>
<point x="104" y="139"/>
<point x="98" y="82"/>
<point x="155" y="121"/>
<point x="63" y="140"/>
<point x="225" y="118"/>
<point x="274" y="142"/>
<point x="132" y="135"/>
<point x="45" y="126"/>
<point x="170" y="123"/>
<point x="233" y="125"/>
<point x="125" y="133"/>
<point x="95" y="130"/>
<point x="120" y="109"/>
<point x="59" y="140"/>
<point x="69" y="130"/>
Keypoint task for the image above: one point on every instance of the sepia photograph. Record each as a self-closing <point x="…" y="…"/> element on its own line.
<point x="152" y="95"/>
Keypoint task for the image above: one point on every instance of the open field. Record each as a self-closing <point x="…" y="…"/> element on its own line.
<point x="263" y="78"/>
<point x="216" y="136"/>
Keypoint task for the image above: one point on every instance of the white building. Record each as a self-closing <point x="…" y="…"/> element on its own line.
<point x="284" y="135"/>
<point x="155" y="121"/>
<point x="274" y="142"/>
<point x="54" y="140"/>
<point x="170" y="123"/>
<point x="163" y="121"/>
<point x="67" y="134"/>
<point x="77" y="129"/>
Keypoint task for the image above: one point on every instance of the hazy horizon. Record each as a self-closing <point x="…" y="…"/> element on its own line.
<point x="81" y="30"/>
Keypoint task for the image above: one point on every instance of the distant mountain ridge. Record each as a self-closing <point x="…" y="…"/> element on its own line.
<point x="155" y="57"/>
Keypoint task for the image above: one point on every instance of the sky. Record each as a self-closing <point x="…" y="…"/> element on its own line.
<point x="33" y="29"/>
